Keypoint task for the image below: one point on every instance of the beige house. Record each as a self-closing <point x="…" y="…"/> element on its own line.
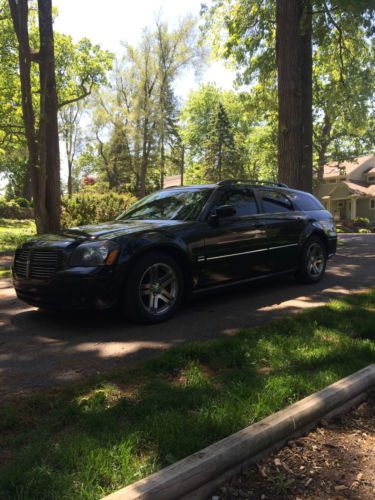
<point x="348" y="189"/>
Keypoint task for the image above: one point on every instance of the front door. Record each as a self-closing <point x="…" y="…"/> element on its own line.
<point x="236" y="247"/>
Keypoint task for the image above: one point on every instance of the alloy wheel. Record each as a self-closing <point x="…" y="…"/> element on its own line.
<point x="315" y="260"/>
<point x="158" y="288"/>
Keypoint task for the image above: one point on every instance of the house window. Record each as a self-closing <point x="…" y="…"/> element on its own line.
<point x="372" y="204"/>
<point x="340" y="204"/>
<point x="371" y="178"/>
<point x="332" y="181"/>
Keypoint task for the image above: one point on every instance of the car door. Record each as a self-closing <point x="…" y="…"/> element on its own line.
<point x="284" y="227"/>
<point x="236" y="246"/>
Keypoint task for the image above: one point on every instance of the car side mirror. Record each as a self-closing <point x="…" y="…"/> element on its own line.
<point x="222" y="212"/>
<point x="225" y="211"/>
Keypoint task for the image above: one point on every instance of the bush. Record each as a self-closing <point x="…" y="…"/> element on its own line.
<point x="11" y="210"/>
<point x="84" y="208"/>
<point x="22" y="202"/>
<point x="361" y="222"/>
<point x="364" y="231"/>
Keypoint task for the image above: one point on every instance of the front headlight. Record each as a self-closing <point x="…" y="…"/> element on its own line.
<point x="97" y="253"/>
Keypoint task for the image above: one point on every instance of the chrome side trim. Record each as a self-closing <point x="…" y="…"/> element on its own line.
<point x="202" y="259"/>
<point x="235" y="254"/>
<point x="284" y="246"/>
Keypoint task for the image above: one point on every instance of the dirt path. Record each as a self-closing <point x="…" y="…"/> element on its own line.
<point x="335" y="462"/>
<point x="39" y="350"/>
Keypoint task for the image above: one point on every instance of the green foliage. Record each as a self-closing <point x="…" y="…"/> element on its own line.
<point x="88" y="440"/>
<point x="90" y="208"/>
<point x="13" y="210"/>
<point x="243" y="32"/>
<point x="364" y="231"/>
<point x="80" y="67"/>
<point x="134" y="132"/>
<point x="22" y="202"/>
<point x="13" y="232"/>
<point x="221" y="157"/>
<point x="251" y="142"/>
<point x="361" y="221"/>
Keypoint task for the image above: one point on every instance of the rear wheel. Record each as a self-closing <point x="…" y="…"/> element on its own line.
<point x="313" y="261"/>
<point x="154" y="289"/>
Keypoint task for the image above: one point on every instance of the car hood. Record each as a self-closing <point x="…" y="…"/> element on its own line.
<point x="105" y="231"/>
<point x="117" y="228"/>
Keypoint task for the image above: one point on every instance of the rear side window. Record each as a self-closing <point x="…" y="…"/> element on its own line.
<point x="275" y="202"/>
<point x="242" y="199"/>
<point x="306" y="202"/>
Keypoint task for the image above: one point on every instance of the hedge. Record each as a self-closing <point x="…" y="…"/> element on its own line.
<point x="91" y="208"/>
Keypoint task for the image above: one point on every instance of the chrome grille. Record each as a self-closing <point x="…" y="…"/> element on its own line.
<point x="36" y="264"/>
<point x="20" y="262"/>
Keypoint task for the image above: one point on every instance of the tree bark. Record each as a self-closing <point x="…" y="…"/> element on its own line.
<point x="294" y="63"/>
<point x="48" y="126"/>
<point x="43" y="147"/>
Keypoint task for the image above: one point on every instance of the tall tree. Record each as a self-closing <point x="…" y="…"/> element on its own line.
<point x="70" y="117"/>
<point x="221" y="158"/>
<point x="294" y="70"/>
<point x="138" y="120"/>
<point x="243" y="31"/>
<point x="175" y="50"/>
<point x="43" y="145"/>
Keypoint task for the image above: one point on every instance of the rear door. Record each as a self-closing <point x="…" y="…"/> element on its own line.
<point x="284" y="227"/>
<point x="236" y="248"/>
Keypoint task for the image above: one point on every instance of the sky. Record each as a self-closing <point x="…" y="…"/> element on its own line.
<point x="111" y="22"/>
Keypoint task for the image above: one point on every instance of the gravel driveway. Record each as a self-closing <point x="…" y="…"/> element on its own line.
<point x="39" y="349"/>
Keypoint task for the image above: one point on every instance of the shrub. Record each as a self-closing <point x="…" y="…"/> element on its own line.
<point x="84" y="208"/>
<point x="361" y="222"/>
<point x="364" y="231"/>
<point x="11" y="210"/>
<point x="22" y="202"/>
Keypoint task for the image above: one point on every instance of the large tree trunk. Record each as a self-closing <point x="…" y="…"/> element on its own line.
<point x="43" y="148"/>
<point x="294" y="63"/>
<point x="48" y="126"/>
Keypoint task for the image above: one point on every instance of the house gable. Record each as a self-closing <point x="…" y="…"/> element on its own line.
<point x="341" y="190"/>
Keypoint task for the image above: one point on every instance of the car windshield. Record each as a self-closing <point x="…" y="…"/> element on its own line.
<point x="169" y="204"/>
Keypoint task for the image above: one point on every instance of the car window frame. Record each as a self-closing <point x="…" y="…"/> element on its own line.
<point x="221" y="190"/>
<point x="278" y="191"/>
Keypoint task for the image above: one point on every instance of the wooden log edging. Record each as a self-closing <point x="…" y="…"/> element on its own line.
<point x="197" y="475"/>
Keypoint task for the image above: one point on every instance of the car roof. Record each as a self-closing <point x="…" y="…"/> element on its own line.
<point x="229" y="183"/>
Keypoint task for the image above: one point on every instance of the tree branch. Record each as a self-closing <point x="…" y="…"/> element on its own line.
<point x="85" y="93"/>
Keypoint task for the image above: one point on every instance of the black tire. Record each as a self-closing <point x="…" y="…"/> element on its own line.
<point x="308" y="271"/>
<point x="141" y="299"/>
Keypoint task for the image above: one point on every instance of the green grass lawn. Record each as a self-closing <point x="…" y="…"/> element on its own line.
<point x="13" y="232"/>
<point x="87" y="440"/>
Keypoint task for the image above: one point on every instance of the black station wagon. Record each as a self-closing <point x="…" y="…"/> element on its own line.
<point x="175" y="243"/>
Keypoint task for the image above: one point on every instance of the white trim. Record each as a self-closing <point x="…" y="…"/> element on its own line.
<point x="248" y="252"/>
<point x="235" y="254"/>
<point x="284" y="246"/>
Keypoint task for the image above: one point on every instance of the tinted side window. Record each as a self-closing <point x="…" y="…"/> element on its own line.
<point x="242" y="199"/>
<point x="274" y="202"/>
<point x="307" y="202"/>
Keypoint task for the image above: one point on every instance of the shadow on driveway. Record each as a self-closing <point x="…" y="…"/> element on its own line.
<point x="39" y="349"/>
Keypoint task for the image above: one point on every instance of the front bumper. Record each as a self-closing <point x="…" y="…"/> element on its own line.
<point x="75" y="288"/>
<point x="332" y="246"/>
